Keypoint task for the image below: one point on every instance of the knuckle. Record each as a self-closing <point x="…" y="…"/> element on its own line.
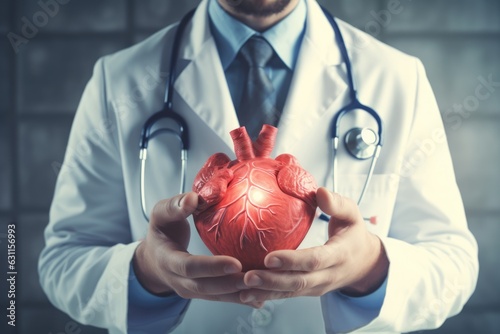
<point x="300" y="283"/>
<point x="314" y="262"/>
<point x="341" y="255"/>
<point x="172" y="206"/>
<point x="337" y="199"/>
<point x="184" y="269"/>
<point x="331" y="255"/>
<point x="197" y="288"/>
<point x="166" y="209"/>
<point x="272" y="284"/>
<point x="159" y="211"/>
<point x="343" y="202"/>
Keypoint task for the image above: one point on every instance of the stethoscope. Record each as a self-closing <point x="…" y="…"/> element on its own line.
<point x="361" y="143"/>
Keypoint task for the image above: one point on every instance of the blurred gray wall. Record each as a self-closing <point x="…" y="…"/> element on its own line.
<point x="40" y="86"/>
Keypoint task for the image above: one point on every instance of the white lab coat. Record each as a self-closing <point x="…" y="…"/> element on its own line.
<point x="96" y="220"/>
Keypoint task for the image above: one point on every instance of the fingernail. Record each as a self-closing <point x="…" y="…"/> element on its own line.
<point x="230" y="269"/>
<point x="254" y="280"/>
<point x="274" y="263"/>
<point x="179" y="202"/>
<point x="248" y="298"/>
<point x="257" y="305"/>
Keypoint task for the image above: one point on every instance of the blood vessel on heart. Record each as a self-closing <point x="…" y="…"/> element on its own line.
<point x="253" y="205"/>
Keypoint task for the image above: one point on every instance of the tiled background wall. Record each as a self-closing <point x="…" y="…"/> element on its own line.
<point x="40" y="86"/>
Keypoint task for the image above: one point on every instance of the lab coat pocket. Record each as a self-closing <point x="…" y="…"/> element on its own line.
<point x="378" y="202"/>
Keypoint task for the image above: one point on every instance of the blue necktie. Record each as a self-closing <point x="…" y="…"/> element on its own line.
<point x="256" y="107"/>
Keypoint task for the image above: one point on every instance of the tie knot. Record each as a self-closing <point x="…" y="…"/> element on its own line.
<point x="257" y="52"/>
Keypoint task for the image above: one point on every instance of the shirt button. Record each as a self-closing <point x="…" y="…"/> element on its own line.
<point x="262" y="317"/>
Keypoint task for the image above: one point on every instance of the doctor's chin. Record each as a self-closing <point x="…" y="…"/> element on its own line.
<point x="250" y="166"/>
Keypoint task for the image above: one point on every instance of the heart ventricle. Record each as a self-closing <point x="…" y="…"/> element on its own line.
<point x="255" y="204"/>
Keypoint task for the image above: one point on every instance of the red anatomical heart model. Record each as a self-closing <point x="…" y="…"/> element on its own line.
<point x="253" y="205"/>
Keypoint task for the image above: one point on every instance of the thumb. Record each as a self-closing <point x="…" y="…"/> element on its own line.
<point x="342" y="210"/>
<point x="169" y="219"/>
<point x="174" y="209"/>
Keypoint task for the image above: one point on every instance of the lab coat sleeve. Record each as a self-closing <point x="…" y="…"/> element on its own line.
<point x="84" y="267"/>
<point x="148" y="313"/>
<point x="433" y="256"/>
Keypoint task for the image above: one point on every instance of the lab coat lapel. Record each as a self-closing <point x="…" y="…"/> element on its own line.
<point x="317" y="84"/>
<point x="202" y="83"/>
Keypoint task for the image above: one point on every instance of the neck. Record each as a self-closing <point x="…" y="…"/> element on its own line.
<point x="259" y="23"/>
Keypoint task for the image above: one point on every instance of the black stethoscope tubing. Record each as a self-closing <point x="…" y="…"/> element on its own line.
<point x="167" y="111"/>
<point x="183" y="131"/>
<point x="355" y="104"/>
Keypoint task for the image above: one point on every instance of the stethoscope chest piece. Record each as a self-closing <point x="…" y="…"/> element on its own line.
<point x="361" y="142"/>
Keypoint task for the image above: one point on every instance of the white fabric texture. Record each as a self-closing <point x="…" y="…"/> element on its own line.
<point x="96" y="220"/>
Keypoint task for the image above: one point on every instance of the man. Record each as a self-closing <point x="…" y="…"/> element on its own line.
<point x="105" y="265"/>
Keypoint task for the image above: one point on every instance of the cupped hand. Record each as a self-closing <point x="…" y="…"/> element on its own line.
<point x="353" y="260"/>
<point x="163" y="265"/>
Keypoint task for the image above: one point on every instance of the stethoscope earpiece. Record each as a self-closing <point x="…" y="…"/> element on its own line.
<point x="361" y="142"/>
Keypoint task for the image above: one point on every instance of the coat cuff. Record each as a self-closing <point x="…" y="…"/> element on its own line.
<point x="343" y="313"/>
<point x="373" y="301"/>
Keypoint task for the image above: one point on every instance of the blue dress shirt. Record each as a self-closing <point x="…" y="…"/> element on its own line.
<point x="285" y="38"/>
<point x="149" y="311"/>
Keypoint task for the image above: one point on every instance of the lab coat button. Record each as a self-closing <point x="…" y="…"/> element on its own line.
<point x="262" y="317"/>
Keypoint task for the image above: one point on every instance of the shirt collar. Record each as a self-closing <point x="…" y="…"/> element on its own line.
<point x="230" y="34"/>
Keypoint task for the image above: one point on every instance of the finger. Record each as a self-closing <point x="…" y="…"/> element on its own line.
<point x="261" y="296"/>
<point x="279" y="280"/>
<point x="278" y="285"/>
<point x="339" y="208"/>
<point x="199" y="266"/>
<point x="174" y="209"/>
<point x="168" y="223"/>
<point x="223" y="285"/>
<point x="307" y="259"/>
<point x="230" y="298"/>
